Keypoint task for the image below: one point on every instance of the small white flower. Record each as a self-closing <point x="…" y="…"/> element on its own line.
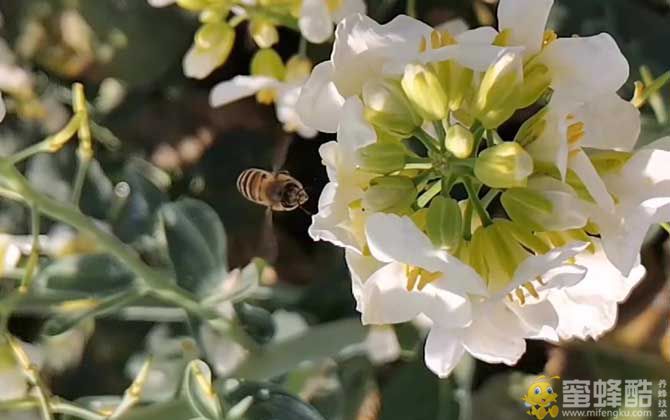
<point x="365" y="50"/>
<point x="406" y="277"/>
<point x="606" y="122"/>
<point x="588" y="309"/>
<point x="286" y="95"/>
<point x="341" y="219"/>
<point x="642" y="189"/>
<point x="318" y="16"/>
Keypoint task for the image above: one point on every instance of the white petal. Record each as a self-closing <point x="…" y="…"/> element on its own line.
<point x="354" y="131"/>
<point x="349" y="7"/>
<point x="496" y="336"/>
<point x="580" y="163"/>
<point x="382" y="345"/>
<point x="623" y="235"/>
<point x="582" y="68"/>
<point x="160" y="3"/>
<point x="646" y="175"/>
<point x="361" y="267"/>
<point x="237" y="88"/>
<point x="551" y="147"/>
<point x="394" y="238"/>
<point x="611" y="123"/>
<point x="287" y="114"/>
<point x="320" y="103"/>
<point x="537" y="265"/>
<point x="198" y="63"/>
<point x="444" y="349"/>
<point x="330" y="153"/>
<point x="539" y="319"/>
<point x="526" y="20"/>
<point x="332" y="223"/>
<point x="589" y="308"/>
<point x="568" y="211"/>
<point x="484" y="35"/>
<point x="362" y="47"/>
<point x="315" y="22"/>
<point x="455" y="27"/>
<point x="386" y="299"/>
<point x="478" y="57"/>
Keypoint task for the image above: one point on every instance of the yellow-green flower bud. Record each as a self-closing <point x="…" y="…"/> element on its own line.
<point x="193" y="5"/>
<point x="382" y="158"/>
<point x="298" y="69"/>
<point x="266" y="62"/>
<point x="263" y="32"/>
<point x="444" y="223"/>
<point x="215" y="13"/>
<point x="459" y="141"/>
<point x="393" y="194"/>
<point x="213" y="35"/>
<point x="425" y="92"/>
<point x="388" y="108"/>
<point x="532" y="128"/>
<point x="456" y="81"/>
<point x="536" y="80"/>
<point x="527" y="207"/>
<point x="499" y="92"/>
<point x="506" y="165"/>
<point x="609" y="161"/>
<point x="496" y="254"/>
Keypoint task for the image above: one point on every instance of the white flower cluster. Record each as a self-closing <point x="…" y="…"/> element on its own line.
<point x="493" y="240"/>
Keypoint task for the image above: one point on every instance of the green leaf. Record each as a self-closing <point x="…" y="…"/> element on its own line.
<point x="256" y="321"/>
<point x="95" y="274"/>
<point x="416" y="393"/>
<point x="53" y="175"/>
<point x="196" y="243"/>
<point x="136" y="216"/>
<point x="270" y="402"/>
<point x="319" y="342"/>
<point x="199" y="391"/>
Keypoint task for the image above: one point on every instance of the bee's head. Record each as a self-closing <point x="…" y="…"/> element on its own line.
<point x="294" y="196"/>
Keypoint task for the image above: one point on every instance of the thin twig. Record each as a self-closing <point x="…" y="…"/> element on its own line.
<point x="31" y="373"/>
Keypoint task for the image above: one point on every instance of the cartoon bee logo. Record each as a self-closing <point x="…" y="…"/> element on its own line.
<point x="541" y="399"/>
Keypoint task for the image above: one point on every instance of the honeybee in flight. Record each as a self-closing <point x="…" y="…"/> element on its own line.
<point x="276" y="190"/>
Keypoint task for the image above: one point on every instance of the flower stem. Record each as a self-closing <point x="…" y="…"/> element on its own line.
<point x="425" y="198"/>
<point x="155" y="282"/>
<point x="33" y="259"/>
<point x="427" y="140"/>
<point x="476" y="203"/>
<point x="80" y="178"/>
<point x="411" y="8"/>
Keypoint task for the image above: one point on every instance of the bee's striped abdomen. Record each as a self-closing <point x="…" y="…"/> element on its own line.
<point x="251" y="184"/>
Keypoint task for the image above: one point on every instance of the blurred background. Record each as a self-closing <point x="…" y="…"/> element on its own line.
<point x="161" y="141"/>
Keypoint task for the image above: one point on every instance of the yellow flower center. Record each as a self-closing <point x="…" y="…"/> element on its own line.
<point x="575" y="133"/>
<point x="521" y="295"/>
<point x="549" y="37"/>
<point x="266" y="96"/>
<point x="334" y="5"/>
<point x="437" y="40"/>
<point x="418" y="277"/>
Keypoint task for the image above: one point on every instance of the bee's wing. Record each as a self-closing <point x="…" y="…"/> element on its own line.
<point x="269" y="247"/>
<point x="281" y="151"/>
